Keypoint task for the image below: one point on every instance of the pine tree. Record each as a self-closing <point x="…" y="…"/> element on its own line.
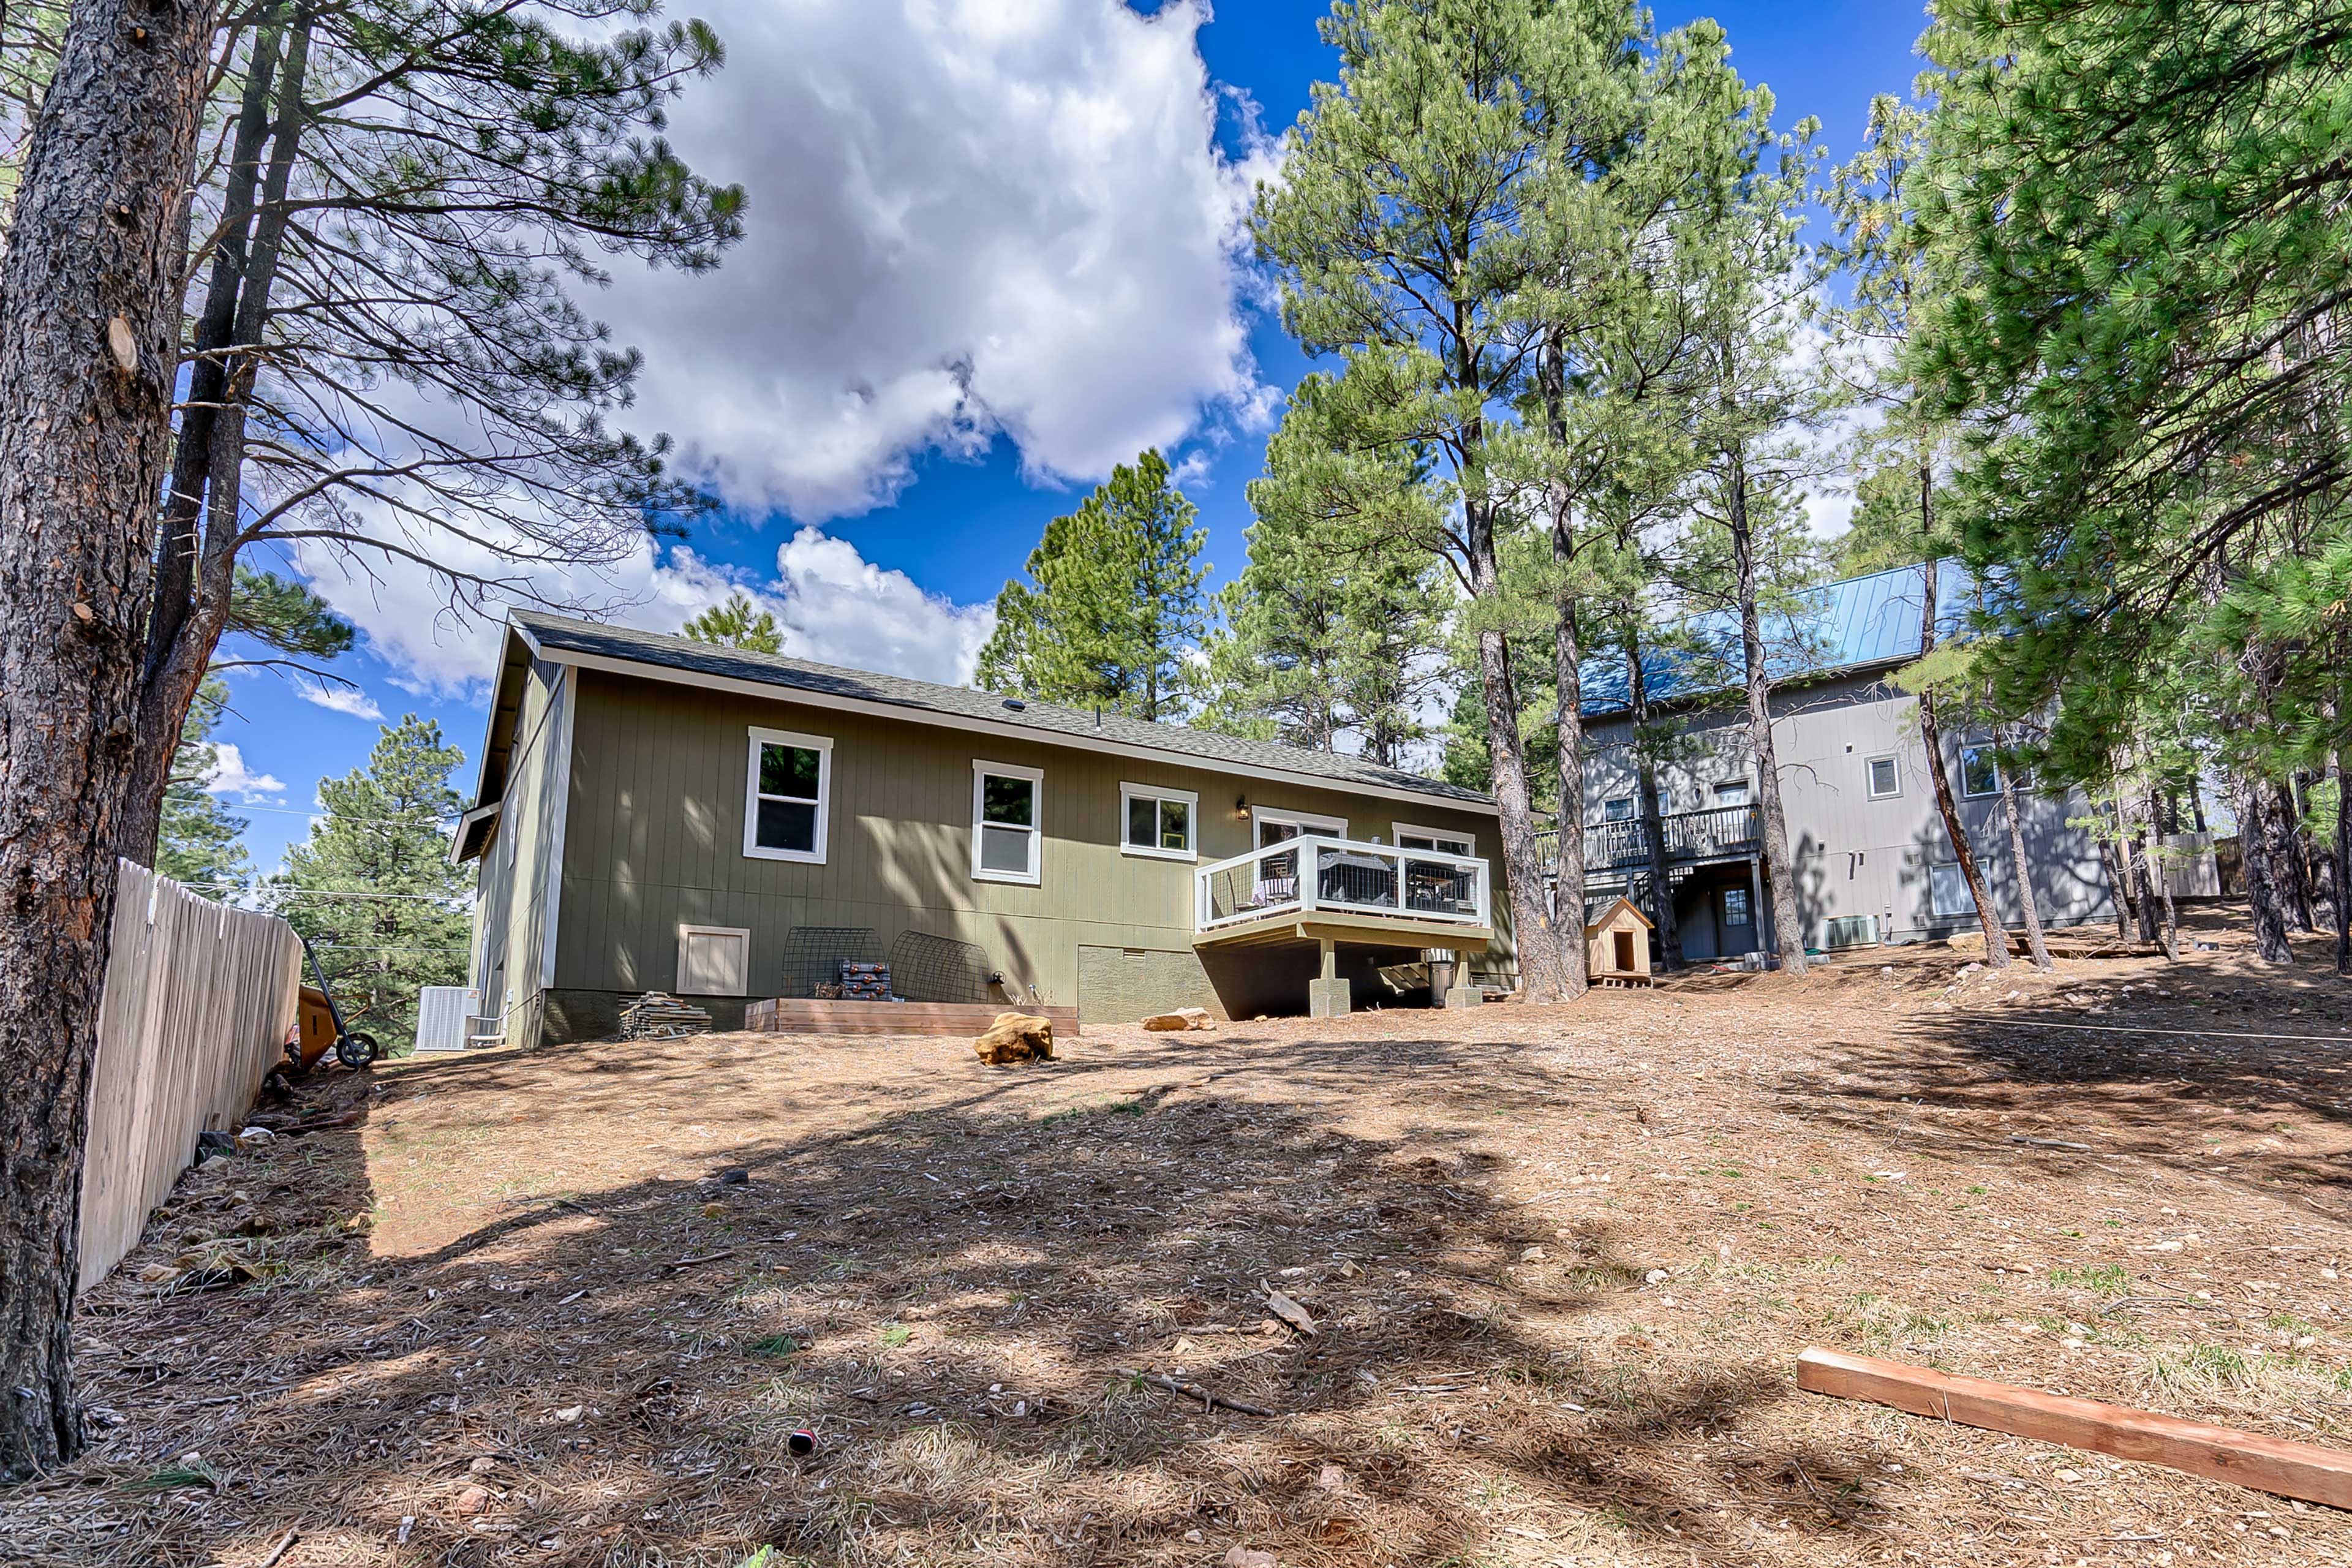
<point x="738" y="623"/>
<point x="90" y="316"/>
<point x="1332" y="631"/>
<point x="373" y="887"/>
<point x="1886" y="265"/>
<point x="1753" y="282"/>
<point x="202" y="845"/>
<point x="2140" y="210"/>
<point x="1428" y="201"/>
<point x="1113" y="611"/>
<point x="384" y="358"/>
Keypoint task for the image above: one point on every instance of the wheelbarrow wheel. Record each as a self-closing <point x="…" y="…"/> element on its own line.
<point x="356" y="1050"/>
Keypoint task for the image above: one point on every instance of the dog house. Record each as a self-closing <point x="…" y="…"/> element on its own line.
<point x="1617" y="945"/>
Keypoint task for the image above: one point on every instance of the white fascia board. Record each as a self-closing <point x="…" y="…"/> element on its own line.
<point x="767" y="692"/>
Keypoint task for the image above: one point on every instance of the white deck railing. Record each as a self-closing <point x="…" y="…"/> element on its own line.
<point x="1313" y="874"/>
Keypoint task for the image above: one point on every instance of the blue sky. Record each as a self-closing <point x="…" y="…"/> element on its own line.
<point x="922" y="518"/>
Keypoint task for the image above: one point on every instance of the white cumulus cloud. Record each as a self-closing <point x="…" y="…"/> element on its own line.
<point x="348" y="700"/>
<point x="835" y="605"/>
<point x="966" y="218"/>
<point x="229" y="776"/>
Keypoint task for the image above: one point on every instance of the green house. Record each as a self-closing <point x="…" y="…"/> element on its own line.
<point x="656" y="814"/>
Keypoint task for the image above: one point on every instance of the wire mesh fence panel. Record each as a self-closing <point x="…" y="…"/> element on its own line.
<point x="927" y="968"/>
<point x="813" y="957"/>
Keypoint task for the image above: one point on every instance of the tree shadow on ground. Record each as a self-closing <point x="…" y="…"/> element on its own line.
<point x="2209" y="1068"/>
<point x="949" y="1281"/>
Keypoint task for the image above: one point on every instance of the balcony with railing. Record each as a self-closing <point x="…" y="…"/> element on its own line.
<point x="1371" y="888"/>
<point x="1723" y="832"/>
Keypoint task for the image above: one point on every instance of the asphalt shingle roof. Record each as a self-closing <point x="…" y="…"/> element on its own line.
<point x="1857" y="623"/>
<point x="1046" y="721"/>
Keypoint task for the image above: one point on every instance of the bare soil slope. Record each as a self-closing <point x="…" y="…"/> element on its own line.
<point x="1560" y="1262"/>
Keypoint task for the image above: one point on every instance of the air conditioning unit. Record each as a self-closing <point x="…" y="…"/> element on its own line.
<point x="1850" y="930"/>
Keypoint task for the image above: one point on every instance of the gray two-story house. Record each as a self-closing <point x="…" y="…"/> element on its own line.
<point x="1872" y="860"/>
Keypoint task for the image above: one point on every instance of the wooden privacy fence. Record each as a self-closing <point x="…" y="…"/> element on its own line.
<point x="199" y="997"/>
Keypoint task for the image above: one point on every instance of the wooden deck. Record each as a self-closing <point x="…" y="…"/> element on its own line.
<point x="1356" y="929"/>
<point x="797" y="1015"/>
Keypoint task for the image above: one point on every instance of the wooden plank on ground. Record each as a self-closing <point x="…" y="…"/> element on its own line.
<point x="802" y="1015"/>
<point x="2247" y="1459"/>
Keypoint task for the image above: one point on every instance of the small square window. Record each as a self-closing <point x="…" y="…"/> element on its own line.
<point x="1979" y="772"/>
<point x="1156" y="822"/>
<point x="1885" y="778"/>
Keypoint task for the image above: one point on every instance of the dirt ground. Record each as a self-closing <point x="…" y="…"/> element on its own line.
<point x="1560" y="1260"/>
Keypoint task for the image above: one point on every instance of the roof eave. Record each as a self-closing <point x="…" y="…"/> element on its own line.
<point x="774" y="691"/>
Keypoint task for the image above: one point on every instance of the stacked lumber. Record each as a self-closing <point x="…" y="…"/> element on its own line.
<point x="656" y="1015"/>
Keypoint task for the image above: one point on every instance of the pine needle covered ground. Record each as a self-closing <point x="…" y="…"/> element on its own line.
<point x="1560" y="1262"/>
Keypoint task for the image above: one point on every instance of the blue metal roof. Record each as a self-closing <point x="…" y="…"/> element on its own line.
<point x="1837" y="627"/>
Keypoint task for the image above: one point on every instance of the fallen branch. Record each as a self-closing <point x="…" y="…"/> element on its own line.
<point x="285" y="1544"/>
<point x="2051" y="1143"/>
<point x="705" y="1258"/>
<point x="2246" y="1458"/>
<point x="1208" y="1398"/>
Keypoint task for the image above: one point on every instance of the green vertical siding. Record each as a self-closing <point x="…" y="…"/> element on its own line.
<point x="654" y="839"/>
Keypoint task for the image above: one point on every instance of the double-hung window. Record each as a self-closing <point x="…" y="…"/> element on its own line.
<point x="1157" y="822"/>
<point x="1949" y="895"/>
<point x="788" y="796"/>
<point x="1008" y="839"/>
<point x="1885" y="778"/>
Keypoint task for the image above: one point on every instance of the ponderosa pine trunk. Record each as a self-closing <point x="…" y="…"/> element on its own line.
<point x="1568" y="672"/>
<point x="89" y="336"/>
<point x="2161" y="878"/>
<point x="2283" y="822"/>
<point x="2118" y="853"/>
<point x="1788" y="927"/>
<point x="1939" y="782"/>
<point x="2136" y="868"/>
<point x="2034" y="944"/>
<point x="2262" y="900"/>
<point x="196" y="566"/>
<point x="1653" y="825"/>
<point x="1535" y="934"/>
<point x="2343" y="865"/>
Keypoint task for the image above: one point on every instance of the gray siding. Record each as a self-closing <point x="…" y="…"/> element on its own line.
<point x="1855" y="855"/>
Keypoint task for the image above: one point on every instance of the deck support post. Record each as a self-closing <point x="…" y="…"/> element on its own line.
<point x="1767" y="940"/>
<point x="1463" y="992"/>
<point x="1329" y="997"/>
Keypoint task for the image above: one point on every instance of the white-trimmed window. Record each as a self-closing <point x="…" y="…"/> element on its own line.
<point x="1947" y="891"/>
<point x="1158" y="822"/>
<point x="1885" y="777"/>
<point x="1437" y="840"/>
<point x="1008" y="839"/>
<point x="788" y="796"/>
<point x="1979" y="772"/>
<point x="1618" y="810"/>
<point x="1732" y="792"/>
